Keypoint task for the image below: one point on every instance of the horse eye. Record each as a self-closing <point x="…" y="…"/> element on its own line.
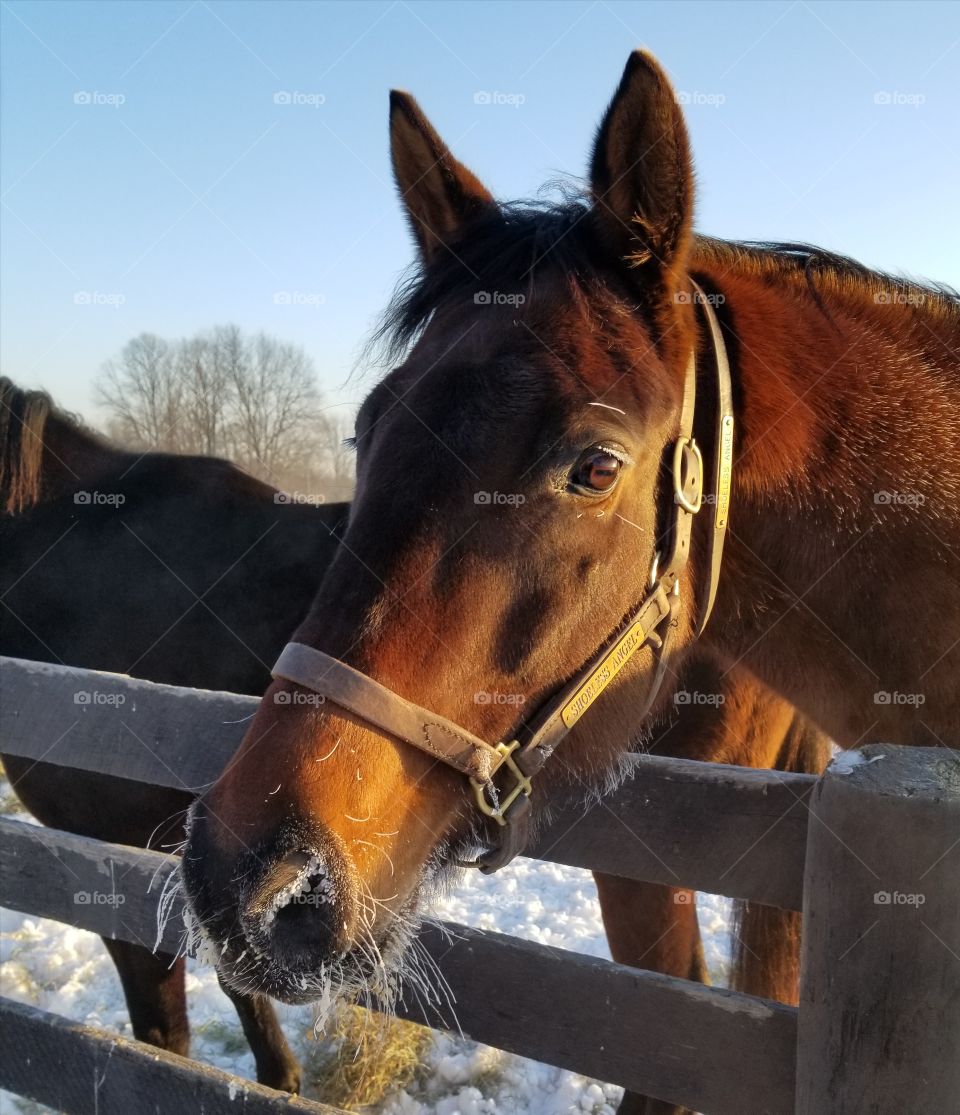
<point x="597" y="472"/>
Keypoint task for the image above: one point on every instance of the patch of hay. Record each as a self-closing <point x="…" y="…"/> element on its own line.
<point x="365" y="1057"/>
<point x="10" y="804"/>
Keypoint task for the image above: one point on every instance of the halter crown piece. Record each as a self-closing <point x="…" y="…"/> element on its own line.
<point x="501" y="774"/>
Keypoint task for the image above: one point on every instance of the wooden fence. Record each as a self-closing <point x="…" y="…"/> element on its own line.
<point x="869" y="852"/>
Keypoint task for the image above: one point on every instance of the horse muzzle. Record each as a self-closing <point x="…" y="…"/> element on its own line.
<point x="279" y="915"/>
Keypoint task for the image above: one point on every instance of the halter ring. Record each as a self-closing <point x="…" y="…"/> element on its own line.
<point x="679" y="496"/>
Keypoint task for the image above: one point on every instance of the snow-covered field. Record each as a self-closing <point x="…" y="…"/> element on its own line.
<point x="67" y="971"/>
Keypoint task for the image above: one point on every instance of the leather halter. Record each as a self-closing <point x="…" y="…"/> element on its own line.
<point x="650" y="624"/>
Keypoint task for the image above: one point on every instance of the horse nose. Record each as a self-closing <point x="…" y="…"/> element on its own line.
<point x="294" y="913"/>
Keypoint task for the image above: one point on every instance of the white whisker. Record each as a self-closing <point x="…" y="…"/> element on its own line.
<point x="329" y="753"/>
<point x="377" y="848"/>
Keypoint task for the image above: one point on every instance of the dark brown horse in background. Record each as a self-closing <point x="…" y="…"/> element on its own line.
<point x="143" y="564"/>
<point x="840" y="579"/>
<point x="113" y="585"/>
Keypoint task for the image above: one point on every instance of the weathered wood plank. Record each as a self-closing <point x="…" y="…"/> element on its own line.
<point x="115" y="724"/>
<point x="706" y="826"/>
<point x="109" y="889"/>
<point x="709" y="827"/>
<point x="879" y="1027"/>
<point x="82" y="1070"/>
<point x="654" y="1034"/>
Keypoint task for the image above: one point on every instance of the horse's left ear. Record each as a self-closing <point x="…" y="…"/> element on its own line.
<point x="440" y="194"/>
<point x="641" y="173"/>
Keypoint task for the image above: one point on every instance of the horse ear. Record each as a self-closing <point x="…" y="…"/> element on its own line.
<point x="641" y="173"/>
<point x="439" y="193"/>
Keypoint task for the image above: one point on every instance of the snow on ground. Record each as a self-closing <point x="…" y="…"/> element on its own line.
<point x="67" y="971"/>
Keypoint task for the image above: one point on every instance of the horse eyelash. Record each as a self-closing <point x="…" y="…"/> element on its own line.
<point x="350" y="443"/>
<point x="621" y="456"/>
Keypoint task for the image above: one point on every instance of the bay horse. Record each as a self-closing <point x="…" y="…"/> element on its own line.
<point x="112" y="584"/>
<point x="507" y="527"/>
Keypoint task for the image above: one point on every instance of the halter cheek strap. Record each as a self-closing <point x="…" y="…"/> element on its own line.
<point x="722" y="462"/>
<point x="501" y="774"/>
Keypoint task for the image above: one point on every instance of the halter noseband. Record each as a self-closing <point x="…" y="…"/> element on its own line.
<point x="650" y="624"/>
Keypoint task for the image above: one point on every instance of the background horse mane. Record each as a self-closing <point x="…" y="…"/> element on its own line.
<point x="23" y="420"/>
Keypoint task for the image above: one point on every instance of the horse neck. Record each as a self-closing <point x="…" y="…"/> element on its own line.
<point x="74" y="459"/>
<point x="840" y="418"/>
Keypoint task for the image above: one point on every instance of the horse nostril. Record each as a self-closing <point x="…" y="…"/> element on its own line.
<point x="282" y="881"/>
<point x="293" y="911"/>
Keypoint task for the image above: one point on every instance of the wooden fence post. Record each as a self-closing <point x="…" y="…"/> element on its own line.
<point x="879" y="1025"/>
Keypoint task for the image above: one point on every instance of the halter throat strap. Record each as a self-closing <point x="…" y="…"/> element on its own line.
<point x="501" y="774"/>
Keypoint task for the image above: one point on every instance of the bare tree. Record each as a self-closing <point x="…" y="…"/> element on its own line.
<point x="335" y="459"/>
<point x="254" y="399"/>
<point x="143" y="393"/>
<point x="329" y="466"/>
<point x="275" y="401"/>
<point x="204" y="414"/>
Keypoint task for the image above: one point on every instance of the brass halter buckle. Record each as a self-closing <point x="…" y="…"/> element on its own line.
<point x="523" y="785"/>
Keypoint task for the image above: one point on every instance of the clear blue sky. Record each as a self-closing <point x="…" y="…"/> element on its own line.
<point x="199" y="198"/>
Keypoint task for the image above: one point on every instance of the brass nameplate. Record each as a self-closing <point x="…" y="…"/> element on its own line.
<point x="725" y="471"/>
<point x="611" y="664"/>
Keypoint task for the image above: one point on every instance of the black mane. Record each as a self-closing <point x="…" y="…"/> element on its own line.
<point x="507" y="250"/>
<point x="785" y="258"/>
<point x="510" y="248"/>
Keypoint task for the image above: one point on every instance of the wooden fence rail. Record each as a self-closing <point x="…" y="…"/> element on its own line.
<point x="619" y="1024"/>
<point x="875" y="872"/>
<point x="700" y="825"/>
<point x="87" y="1071"/>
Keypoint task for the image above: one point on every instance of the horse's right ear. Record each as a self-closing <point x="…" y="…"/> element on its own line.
<point x="641" y="173"/>
<point x="439" y="193"/>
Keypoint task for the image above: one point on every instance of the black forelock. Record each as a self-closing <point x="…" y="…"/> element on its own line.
<point x="510" y="249"/>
